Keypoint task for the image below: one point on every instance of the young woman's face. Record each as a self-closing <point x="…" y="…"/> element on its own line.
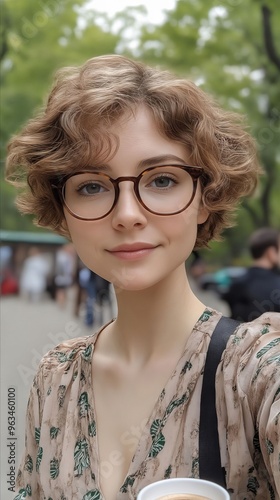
<point x="131" y="247"/>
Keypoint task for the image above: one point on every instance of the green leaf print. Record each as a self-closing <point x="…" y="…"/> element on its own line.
<point x="195" y="467"/>
<point x="81" y="457"/>
<point x="256" y="374"/>
<point x="62" y="357"/>
<point x="236" y="339"/>
<point x="39" y="458"/>
<point x="84" y="404"/>
<point x="28" y="465"/>
<point x="61" y="395"/>
<point x="274" y="359"/>
<point x="128" y="482"/>
<point x="54" y="468"/>
<point x="157" y="445"/>
<point x="256" y="441"/>
<point x="271" y="491"/>
<point x="155" y="427"/>
<point x="187" y="366"/>
<point x="265" y="329"/>
<point x="37" y="434"/>
<point x="253" y="485"/>
<point x="269" y="446"/>
<point x="205" y="316"/>
<point x="168" y="471"/>
<point x="92" y="429"/>
<point x="92" y="495"/>
<point x="175" y="403"/>
<point x="86" y="354"/>
<point x="266" y="348"/>
<point x="276" y="394"/>
<point x="54" y="432"/>
<point x="23" y="493"/>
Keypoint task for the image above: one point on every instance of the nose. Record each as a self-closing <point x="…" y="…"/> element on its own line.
<point x="128" y="212"/>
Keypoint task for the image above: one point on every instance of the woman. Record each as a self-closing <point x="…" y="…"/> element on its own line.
<point x="137" y="168"/>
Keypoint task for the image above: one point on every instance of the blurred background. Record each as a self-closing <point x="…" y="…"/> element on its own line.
<point x="229" y="48"/>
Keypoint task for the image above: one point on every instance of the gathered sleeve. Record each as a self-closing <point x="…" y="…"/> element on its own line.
<point x="27" y="482"/>
<point x="56" y="382"/>
<point x="248" y="409"/>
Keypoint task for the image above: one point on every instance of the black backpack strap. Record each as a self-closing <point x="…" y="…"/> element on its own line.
<point x="210" y="467"/>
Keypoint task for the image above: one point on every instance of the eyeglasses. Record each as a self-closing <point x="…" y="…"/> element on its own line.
<point x="162" y="190"/>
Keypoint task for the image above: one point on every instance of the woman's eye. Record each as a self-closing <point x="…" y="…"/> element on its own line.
<point x="90" y="189"/>
<point x="163" y="181"/>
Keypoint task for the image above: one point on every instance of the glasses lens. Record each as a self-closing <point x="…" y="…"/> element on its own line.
<point x="166" y="190"/>
<point x="89" y="195"/>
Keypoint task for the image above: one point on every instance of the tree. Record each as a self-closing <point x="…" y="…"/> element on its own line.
<point x="37" y="38"/>
<point x="233" y="52"/>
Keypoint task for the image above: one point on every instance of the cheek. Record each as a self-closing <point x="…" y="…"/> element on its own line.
<point x="182" y="228"/>
<point x="84" y="236"/>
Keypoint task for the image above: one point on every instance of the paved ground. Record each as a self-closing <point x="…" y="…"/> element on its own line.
<point x="28" y="331"/>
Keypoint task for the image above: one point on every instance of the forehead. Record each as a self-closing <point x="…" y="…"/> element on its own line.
<point x="138" y="138"/>
<point x="127" y="140"/>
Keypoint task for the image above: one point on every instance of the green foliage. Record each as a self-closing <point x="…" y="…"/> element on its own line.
<point x="42" y="37"/>
<point x="220" y="45"/>
<point x="37" y="38"/>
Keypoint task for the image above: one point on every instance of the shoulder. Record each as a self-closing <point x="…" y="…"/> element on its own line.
<point x="61" y="364"/>
<point x="253" y="351"/>
<point x="254" y="334"/>
<point x="68" y="352"/>
<point x="268" y="322"/>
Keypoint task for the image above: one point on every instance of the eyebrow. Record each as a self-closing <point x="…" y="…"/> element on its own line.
<point x="160" y="159"/>
<point x="154" y="160"/>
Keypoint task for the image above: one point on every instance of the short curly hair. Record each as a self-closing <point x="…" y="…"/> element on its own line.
<point x="72" y="132"/>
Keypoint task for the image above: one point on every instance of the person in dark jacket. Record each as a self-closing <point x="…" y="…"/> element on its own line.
<point x="258" y="290"/>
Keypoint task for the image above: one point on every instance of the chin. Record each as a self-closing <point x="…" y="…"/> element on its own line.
<point x="130" y="282"/>
<point x="131" y="287"/>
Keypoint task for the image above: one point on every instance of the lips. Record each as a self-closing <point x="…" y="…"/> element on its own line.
<point x="132" y="251"/>
<point x="133" y="247"/>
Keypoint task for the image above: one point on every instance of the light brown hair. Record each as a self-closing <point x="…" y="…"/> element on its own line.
<point x="72" y="134"/>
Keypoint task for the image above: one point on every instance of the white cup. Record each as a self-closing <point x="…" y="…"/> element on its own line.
<point x="199" y="487"/>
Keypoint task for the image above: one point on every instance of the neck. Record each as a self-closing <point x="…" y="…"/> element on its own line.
<point x="263" y="262"/>
<point x="154" y="321"/>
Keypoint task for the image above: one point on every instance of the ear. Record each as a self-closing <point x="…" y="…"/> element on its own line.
<point x="271" y="254"/>
<point x="203" y="214"/>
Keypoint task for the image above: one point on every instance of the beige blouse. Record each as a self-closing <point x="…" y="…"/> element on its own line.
<point x="60" y="461"/>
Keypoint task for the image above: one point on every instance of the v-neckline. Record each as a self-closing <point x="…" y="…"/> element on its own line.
<point x="153" y="414"/>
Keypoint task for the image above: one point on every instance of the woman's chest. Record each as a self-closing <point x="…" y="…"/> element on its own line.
<point x="124" y="407"/>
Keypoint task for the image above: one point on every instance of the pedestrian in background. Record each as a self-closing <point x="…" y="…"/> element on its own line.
<point x="65" y="265"/>
<point x="34" y="275"/>
<point x="258" y="290"/>
<point x="87" y="282"/>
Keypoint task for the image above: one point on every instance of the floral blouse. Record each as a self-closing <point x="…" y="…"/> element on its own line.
<point x="60" y="461"/>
